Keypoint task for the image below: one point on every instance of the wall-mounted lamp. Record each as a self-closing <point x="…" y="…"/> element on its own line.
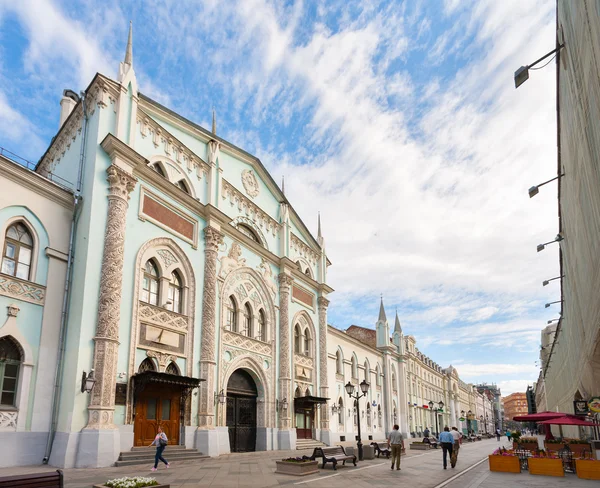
<point x="545" y="282"/>
<point x="522" y="74"/>
<point x="87" y="381"/>
<point x="283" y="404"/>
<point x="534" y="190"/>
<point x="548" y="304"/>
<point x="220" y="397"/>
<point x="541" y="247"/>
<point x="334" y="408"/>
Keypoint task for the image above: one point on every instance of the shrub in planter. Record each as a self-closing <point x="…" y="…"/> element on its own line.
<point x="298" y="466"/>
<point x="528" y="443"/>
<point x="131" y="482"/>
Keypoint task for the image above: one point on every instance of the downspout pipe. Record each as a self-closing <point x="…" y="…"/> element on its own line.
<point x="77" y="199"/>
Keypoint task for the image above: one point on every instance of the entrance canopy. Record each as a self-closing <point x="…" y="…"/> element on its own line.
<point x="141" y="380"/>
<point x="309" y="401"/>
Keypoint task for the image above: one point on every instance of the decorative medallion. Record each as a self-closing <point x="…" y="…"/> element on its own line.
<point x="250" y="183"/>
<point x="167" y="257"/>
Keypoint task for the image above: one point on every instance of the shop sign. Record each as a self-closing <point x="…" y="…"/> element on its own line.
<point x="580" y="407"/>
<point x="594" y="404"/>
<point x="462" y="419"/>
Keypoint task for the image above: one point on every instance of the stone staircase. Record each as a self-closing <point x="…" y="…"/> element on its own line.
<point x="145" y="455"/>
<point x="302" y="444"/>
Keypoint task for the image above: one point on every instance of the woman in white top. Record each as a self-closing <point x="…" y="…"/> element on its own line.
<point x="160" y="441"/>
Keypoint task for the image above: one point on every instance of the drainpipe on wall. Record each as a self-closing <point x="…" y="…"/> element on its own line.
<point x="67" y="291"/>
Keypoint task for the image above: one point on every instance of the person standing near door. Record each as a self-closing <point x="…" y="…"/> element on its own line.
<point x="160" y="441"/>
<point x="447" y="440"/>
<point x="396" y="442"/>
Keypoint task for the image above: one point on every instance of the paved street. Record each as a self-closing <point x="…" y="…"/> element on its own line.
<point x="420" y="469"/>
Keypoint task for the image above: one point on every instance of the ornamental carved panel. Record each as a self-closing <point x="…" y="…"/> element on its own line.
<point x="247" y="343"/>
<point x="8" y="420"/>
<point x="160" y="316"/>
<point x="22" y="290"/>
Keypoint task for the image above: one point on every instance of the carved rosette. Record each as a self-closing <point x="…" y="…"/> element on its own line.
<point x="323" y="303"/>
<point x="212" y="240"/>
<point x="285" y="283"/>
<point x="106" y="348"/>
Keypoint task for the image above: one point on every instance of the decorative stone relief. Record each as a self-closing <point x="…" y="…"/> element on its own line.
<point x="23" y="290"/>
<point x="252" y="211"/>
<point x="303" y="250"/>
<point x="232" y="261"/>
<point x="265" y="270"/>
<point x="247" y="343"/>
<point x="8" y="420"/>
<point x="12" y="310"/>
<point x="285" y="283"/>
<point x="250" y="183"/>
<point x="163" y="359"/>
<point x="167" y="257"/>
<point x="160" y="316"/>
<point x="303" y="360"/>
<point x="212" y="149"/>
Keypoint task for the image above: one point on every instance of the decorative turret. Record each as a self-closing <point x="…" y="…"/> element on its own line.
<point x="383" y="328"/>
<point x="128" y="96"/>
<point x="397" y="337"/>
<point x="126" y="72"/>
<point x="320" y="239"/>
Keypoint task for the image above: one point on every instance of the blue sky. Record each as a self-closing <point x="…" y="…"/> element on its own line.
<point x="398" y="121"/>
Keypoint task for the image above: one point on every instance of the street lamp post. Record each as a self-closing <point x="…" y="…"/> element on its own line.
<point x="435" y="411"/>
<point x="364" y="387"/>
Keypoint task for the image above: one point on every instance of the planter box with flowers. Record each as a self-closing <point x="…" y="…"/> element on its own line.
<point x="546" y="465"/>
<point x="579" y="447"/>
<point x="527" y="443"/>
<point x="135" y="482"/>
<point x="504" y="461"/>
<point x="588" y="469"/>
<point x="554" y="445"/>
<point x="299" y="466"/>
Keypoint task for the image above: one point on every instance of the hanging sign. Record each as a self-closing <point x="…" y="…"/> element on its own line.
<point x="462" y="419"/>
<point x="580" y="407"/>
<point x="594" y="404"/>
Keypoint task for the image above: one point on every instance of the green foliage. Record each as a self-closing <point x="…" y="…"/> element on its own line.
<point x="516" y="435"/>
<point x="136" y="482"/>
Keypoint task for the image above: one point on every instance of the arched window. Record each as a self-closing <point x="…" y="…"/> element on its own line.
<point x="158" y="168"/>
<point x="175" y="293"/>
<point x="18" y="248"/>
<point x="341" y="411"/>
<point x="297" y="339"/>
<point x="248" y="232"/>
<point x="307" y="342"/>
<point x="146" y="365"/>
<point x="297" y="392"/>
<point x="262" y="323"/>
<point x="10" y="362"/>
<point x="183" y="186"/>
<point x="367" y="372"/>
<point x="232" y="315"/>
<point x="172" y="369"/>
<point x="354" y="368"/>
<point x="339" y="365"/>
<point x="150" y="286"/>
<point x="247" y="320"/>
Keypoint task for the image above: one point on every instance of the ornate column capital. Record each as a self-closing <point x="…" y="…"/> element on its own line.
<point x="322" y="302"/>
<point x="285" y="281"/>
<point x="120" y="183"/>
<point x="212" y="239"/>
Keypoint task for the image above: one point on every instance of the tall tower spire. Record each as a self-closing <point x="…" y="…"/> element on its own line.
<point x="397" y="326"/>
<point x="382" y="317"/>
<point x="382" y="327"/>
<point x="320" y="239"/>
<point x="214" y="123"/>
<point x="283" y="185"/>
<point x="129" y="51"/>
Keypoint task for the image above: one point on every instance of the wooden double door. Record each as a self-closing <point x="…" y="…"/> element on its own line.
<point x="304" y="422"/>
<point x="157" y="406"/>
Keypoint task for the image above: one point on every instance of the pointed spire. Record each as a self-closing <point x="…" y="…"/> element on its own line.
<point x="382" y="317"/>
<point x="397" y="326"/>
<point x="283" y="185"/>
<point x="320" y="239"/>
<point x="214" y="123"/>
<point x="319" y="232"/>
<point x="129" y="51"/>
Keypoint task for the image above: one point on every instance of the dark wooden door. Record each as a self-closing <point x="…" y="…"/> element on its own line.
<point x="304" y="423"/>
<point x="241" y="421"/>
<point x="154" y="407"/>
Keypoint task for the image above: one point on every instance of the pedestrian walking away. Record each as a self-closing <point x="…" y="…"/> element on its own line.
<point x="396" y="442"/>
<point x="498" y="434"/>
<point x="447" y="441"/>
<point x="160" y="441"/>
<point x="456" y="446"/>
<point x="426" y="432"/>
<point x="508" y="435"/>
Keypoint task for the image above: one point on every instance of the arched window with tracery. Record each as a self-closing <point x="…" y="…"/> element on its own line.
<point x="150" y="287"/>
<point x="146" y="365"/>
<point x="232" y="315"/>
<point x="10" y="364"/>
<point x="297" y="337"/>
<point x="17" y="253"/>
<point x="175" y="293"/>
<point x="247" y="320"/>
<point x="339" y="365"/>
<point x="262" y="326"/>
<point x="172" y="369"/>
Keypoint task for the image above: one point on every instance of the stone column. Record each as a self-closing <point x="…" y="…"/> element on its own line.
<point x="212" y="240"/>
<point x="323" y="303"/>
<point x="106" y="341"/>
<point x="285" y="377"/>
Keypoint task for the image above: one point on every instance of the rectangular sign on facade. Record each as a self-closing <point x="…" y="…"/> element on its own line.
<point x="580" y="407"/>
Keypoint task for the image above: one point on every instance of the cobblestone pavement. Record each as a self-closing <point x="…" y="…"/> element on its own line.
<point x="420" y="469"/>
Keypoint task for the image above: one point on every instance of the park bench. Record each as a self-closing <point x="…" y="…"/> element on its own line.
<point x="332" y="455"/>
<point x="381" y="448"/>
<point x="51" y="479"/>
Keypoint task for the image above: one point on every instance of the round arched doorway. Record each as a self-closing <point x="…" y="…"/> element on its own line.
<point x="241" y="411"/>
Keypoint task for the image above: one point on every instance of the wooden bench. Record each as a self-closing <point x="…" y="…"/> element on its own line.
<point x="51" y="479"/>
<point x="332" y="455"/>
<point x="381" y="448"/>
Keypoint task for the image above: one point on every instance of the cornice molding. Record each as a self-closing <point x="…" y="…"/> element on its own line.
<point x="35" y="182"/>
<point x="114" y="147"/>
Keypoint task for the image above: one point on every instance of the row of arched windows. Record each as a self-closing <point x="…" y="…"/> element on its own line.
<point x="339" y="369"/>
<point x="151" y="288"/>
<point x="181" y="184"/>
<point x="302" y="341"/>
<point x="252" y="325"/>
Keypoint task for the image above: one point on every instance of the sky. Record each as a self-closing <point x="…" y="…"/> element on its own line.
<point x="398" y="121"/>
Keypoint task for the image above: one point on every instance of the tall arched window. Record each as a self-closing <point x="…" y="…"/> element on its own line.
<point x="307" y="342"/>
<point x="232" y="315"/>
<point x="175" y="293"/>
<point x="262" y="324"/>
<point x="10" y="362"/>
<point x="247" y="320"/>
<point x="341" y="411"/>
<point x="354" y="368"/>
<point x="150" y="286"/>
<point x="339" y="365"/>
<point x="297" y="339"/>
<point x="18" y="248"/>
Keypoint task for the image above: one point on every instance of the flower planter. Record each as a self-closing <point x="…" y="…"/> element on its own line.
<point x="297" y="469"/>
<point x="588" y="469"/>
<point x="579" y="449"/>
<point x="504" y="464"/>
<point x="528" y="446"/>
<point x="546" y="466"/>
<point x="553" y="446"/>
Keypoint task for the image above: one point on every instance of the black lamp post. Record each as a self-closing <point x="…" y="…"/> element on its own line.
<point x="364" y="387"/>
<point x="435" y="411"/>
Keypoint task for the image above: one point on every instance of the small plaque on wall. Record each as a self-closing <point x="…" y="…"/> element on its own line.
<point x="121" y="394"/>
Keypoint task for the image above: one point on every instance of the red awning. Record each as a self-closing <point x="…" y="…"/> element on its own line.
<point x="539" y="417"/>
<point x="570" y="420"/>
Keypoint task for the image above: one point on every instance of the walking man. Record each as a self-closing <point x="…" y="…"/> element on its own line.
<point x="456" y="446"/>
<point x="396" y="442"/>
<point x="447" y="441"/>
